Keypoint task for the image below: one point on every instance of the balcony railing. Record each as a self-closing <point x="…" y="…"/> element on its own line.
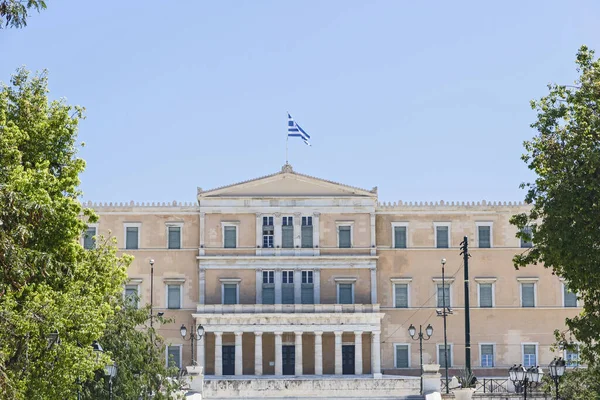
<point x="285" y="308"/>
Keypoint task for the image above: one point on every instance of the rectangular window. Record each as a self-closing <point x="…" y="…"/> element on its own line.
<point x="345" y="293"/>
<point x="572" y="357"/>
<point x="268" y="287"/>
<point x="287" y="287"/>
<point x="307" y="289"/>
<point x="230" y="293"/>
<point x="174" y="357"/>
<point x="570" y="298"/>
<point x="131" y="296"/>
<point x="527" y="294"/>
<point x="131" y="241"/>
<point x="527" y="243"/>
<point x="174" y="237"/>
<point x="287" y="233"/>
<point x="487" y="355"/>
<point x="402" y="356"/>
<point x="441" y="234"/>
<point x="345" y="237"/>
<point x="89" y="242"/>
<point x="230" y="237"/>
<point x="485" y="236"/>
<point x="173" y="296"/>
<point x="268" y="234"/>
<point x="444" y="356"/>
<point x="486" y="295"/>
<point x="440" y="298"/>
<point x="307" y="232"/>
<point x="401" y="295"/>
<point x="400" y="237"/>
<point x="529" y="355"/>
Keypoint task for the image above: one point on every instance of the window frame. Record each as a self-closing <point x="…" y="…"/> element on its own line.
<point x="339" y="224"/>
<point x="442" y="224"/>
<point x="180" y="355"/>
<point x="396" y="355"/>
<point x="479" y="224"/>
<point x="173" y="283"/>
<point x="437" y="352"/>
<point x="535" y="299"/>
<point x="262" y="232"/>
<point x="399" y="225"/>
<point x="486" y="281"/>
<point x="312" y="228"/>
<point x="137" y="225"/>
<point x="537" y="350"/>
<point x="345" y="281"/>
<point x="449" y="283"/>
<point x="234" y="224"/>
<point x="493" y="355"/>
<point x="401" y="281"/>
<point x="230" y="281"/>
<point x="174" y="225"/>
<point x="567" y="364"/>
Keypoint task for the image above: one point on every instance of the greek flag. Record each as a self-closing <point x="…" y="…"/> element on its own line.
<point x="294" y="130"/>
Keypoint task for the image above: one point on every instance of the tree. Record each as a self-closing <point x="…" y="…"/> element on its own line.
<point x="14" y="13"/>
<point x="565" y="197"/>
<point x="55" y="296"/>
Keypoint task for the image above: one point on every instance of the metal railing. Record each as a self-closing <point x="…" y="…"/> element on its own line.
<point x="494" y="385"/>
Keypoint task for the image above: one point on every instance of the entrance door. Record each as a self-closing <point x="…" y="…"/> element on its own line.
<point x="288" y="353"/>
<point x="348" y="359"/>
<point x="228" y="360"/>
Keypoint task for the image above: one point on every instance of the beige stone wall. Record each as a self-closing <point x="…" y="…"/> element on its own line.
<point x="362" y="287"/>
<point x="361" y="230"/>
<point x="247" y="286"/>
<point x="246" y="230"/>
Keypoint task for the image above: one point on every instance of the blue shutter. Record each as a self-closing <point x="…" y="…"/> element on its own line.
<point x="345" y="237"/>
<point x="174" y="237"/>
<point x="345" y="293"/>
<point x="307" y="236"/>
<point x="442" y="237"/>
<point x="131" y="240"/>
<point x="527" y="243"/>
<point x="229" y="293"/>
<point x="400" y="237"/>
<point x="440" y="299"/>
<point x="485" y="295"/>
<point x="308" y="293"/>
<point x="528" y="294"/>
<point x="230" y="237"/>
<point x="287" y="236"/>
<point x="402" y="356"/>
<point x="268" y="293"/>
<point x="484" y="236"/>
<point x="401" y="292"/>
<point x="174" y="359"/>
<point x="174" y="296"/>
<point x="89" y="242"/>
<point x="570" y="297"/>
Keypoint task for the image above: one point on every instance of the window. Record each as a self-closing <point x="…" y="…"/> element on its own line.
<point x="529" y="355"/>
<point x="307" y="232"/>
<point x="527" y="243"/>
<point x="174" y="233"/>
<point x="131" y="295"/>
<point x="443" y="356"/>
<point x="402" y="356"/>
<point x="173" y="296"/>
<point x="268" y="287"/>
<point x="486" y="295"/>
<point x="442" y="235"/>
<point x="287" y="233"/>
<point x="287" y="287"/>
<point x="174" y="356"/>
<point x="89" y="242"/>
<point x="268" y="230"/>
<point x="345" y="236"/>
<point x="345" y="293"/>
<point x="401" y="295"/>
<point x="307" y="289"/>
<point x="527" y="294"/>
<point x="132" y="235"/>
<point x="484" y="234"/>
<point x="487" y="355"/>
<point x="446" y="298"/>
<point x="229" y="236"/>
<point x="569" y="298"/>
<point x="230" y="293"/>
<point x="572" y="356"/>
<point x="399" y="237"/>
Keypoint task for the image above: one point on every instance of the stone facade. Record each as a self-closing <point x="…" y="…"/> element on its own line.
<point x="287" y="249"/>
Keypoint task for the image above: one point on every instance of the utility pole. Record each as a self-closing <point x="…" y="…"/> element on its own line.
<point x="466" y="255"/>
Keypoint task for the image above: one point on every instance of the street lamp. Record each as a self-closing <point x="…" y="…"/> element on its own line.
<point x="444" y="313"/>
<point x="151" y="290"/>
<point x="525" y="378"/>
<point x="412" y="331"/>
<point x="97" y="349"/>
<point x="196" y="334"/>
<point x="557" y="370"/>
<point x="110" y="371"/>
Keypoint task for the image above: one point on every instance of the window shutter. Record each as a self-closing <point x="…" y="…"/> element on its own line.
<point x="401" y="295"/>
<point x="345" y="239"/>
<point x="400" y="237"/>
<point x="529" y="355"/>
<point x="174" y="298"/>
<point x="345" y="293"/>
<point x="307" y="236"/>
<point x="308" y="293"/>
<point x="442" y="237"/>
<point x="440" y="300"/>
<point x="287" y="293"/>
<point x="528" y="294"/>
<point x="402" y="356"/>
<point x="287" y="236"/>
<point x="441" y="358"/>
<point x="131" y="295"/>
<point x="88" y="240"/>
<point x="173" y="353"/>
<point x="485" y="295"/>
<point x="230" y="239"/>
<point x="570" y="297"/>
<point x="131" y="241"/>
<point x="484" y="237"/>
<point x="525" y="243"/>
<point x="174" y="237"/>
<point x="268" y="294"/>
<point x="229" y="294"/>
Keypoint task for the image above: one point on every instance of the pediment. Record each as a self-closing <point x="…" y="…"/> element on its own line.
<point x="287" y="183"/>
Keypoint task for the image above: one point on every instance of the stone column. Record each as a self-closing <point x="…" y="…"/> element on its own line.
<point x="297" y="286"/>
<point x="374" y="285"/>
<point x="277" y="278"/>
<point x="259" y="285"/>
<point x="218" y="353"/>
<point x="201" y="228"/>
<point x="258" y="354"/>
<point x="318" y="353"/>
<point x="338" y="352"/>
<point x="298" y="348"/>
<point x="316" y="235"/>
<point x="239" y="364"/>
<point x="317" y="285"/>
<point x="200" y="347"/>
<point x="358" y="360"/>
<point x="373" y="242"/>
<point x="297" y="230"/>
<point x="278" y="355"/>
<point x="376" y="354"/>
<point x="277" y="231"/>
<point x="201" y="283"/>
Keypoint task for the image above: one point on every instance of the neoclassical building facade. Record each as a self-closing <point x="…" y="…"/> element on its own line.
<point x="295" y="275"/>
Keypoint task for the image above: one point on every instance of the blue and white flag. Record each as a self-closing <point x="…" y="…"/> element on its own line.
<point x="294" y="130"/>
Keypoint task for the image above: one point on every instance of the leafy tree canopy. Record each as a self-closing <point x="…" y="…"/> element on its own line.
<point x="14" y="13"/>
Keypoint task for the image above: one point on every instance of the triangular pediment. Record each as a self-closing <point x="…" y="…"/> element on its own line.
<point x="287" y="183"/>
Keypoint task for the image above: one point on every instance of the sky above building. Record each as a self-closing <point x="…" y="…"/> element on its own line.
<point x="426" y="100"/>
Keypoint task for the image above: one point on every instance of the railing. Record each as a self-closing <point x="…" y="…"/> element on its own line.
<point x="494" y="385"/>
<point x="286" y="308"/>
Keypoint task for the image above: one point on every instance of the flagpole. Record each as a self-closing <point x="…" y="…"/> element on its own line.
<point x="286" y="148"/>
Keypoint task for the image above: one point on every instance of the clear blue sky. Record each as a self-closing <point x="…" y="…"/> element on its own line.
<point x="426" y="100"/>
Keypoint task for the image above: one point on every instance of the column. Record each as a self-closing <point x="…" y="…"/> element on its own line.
<point x="258" y="356"/>
<point x="218" y="353"/>
<point x="373" y="241"/>
<point x="298" y="349"/>
<point x="239" y="365"/>
<point x="358" y="360"/>
<point x="202" y="224"/>
<point x="259" y="283"/>
<point x="278" y="231"/>
<point x="318" y="353"/>
<point x="375" y="354"/>
<point x="259" y="242"/>
<point x="201" y="283"/>
<point x="297" y="230"/>
<point x="317" y="285"/>
<point x="200" y="347"/>
<point x="316" y="235"/>
<point x="298" y="286"/>
<point x="374" y="285"/>
<point x="338" y="352"/>
<point x="278" y="286"/>
<point x="278" y="355"/>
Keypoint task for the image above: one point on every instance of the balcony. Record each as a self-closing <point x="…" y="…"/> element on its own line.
<point x="286" y="308"/>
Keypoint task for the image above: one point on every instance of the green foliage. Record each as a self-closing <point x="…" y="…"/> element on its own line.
<point x="565" y="197"/>
<point x="48" y="282"/>
<point x="14" y="13"/>
<point x="576" y="384"/>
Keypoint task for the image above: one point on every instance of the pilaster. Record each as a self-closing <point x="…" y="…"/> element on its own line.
<point x="338" y="352"/>
<point x="238" y="353"/>
<point x="278" y="354"/>
<point x="258" y="354"/>
<point x="358" y="360"/>
<point x="318" y="353"/>
<point x="298" y="349"/>
<point x="218" y="353"/>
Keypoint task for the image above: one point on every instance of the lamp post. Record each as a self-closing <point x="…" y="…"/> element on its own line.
<point x="443" y="313"/>
<point x="110" y="371"/>
<point x="412" y="332"/>
<point x="196" y="334"/>
<point x="151" y="291"/>
<point x="557" y="370"/>
<point x="97" y="349"/>
<point x="525" y="378"/>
